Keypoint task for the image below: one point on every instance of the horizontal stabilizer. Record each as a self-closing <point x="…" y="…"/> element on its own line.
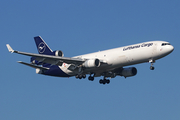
<point x="33" y="66"/>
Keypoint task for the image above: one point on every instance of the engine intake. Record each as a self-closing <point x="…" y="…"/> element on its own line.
<point x="58" y="53"/>
<point x="91" y="63"/>
<point x="128" y="72"/>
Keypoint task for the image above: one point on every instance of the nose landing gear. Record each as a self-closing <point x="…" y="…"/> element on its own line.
<point x="152" y="61"/>
<point x="152" y="67"/>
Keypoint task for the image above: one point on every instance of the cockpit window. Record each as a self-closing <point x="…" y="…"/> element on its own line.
<point x="163" y="44"/>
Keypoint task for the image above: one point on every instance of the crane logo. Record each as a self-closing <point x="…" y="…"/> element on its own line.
<point x="41" y="47"/>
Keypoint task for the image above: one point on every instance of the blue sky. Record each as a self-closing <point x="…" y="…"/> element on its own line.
<point x="83" y="26"/>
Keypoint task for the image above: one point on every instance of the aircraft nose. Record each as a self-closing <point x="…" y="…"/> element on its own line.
<point x="170" y="48"/>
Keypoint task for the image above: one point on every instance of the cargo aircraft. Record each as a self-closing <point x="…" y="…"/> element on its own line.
<point x="108" y="63"/>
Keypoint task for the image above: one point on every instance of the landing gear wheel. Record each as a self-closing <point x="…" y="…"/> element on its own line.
<point x="80" y="76"/>
<point x="91" y="78"/>
<point x="152" y="68"/>
<point x="83" y="76"/>
<point x="104" y="82"/>
<point x="107" y="81"/>
<point x="77" y="76"/>
<point x="100" y="81"/>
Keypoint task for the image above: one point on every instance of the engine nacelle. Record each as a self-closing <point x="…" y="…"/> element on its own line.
<point x="58" y="53"/>
<point x="91" y="63"/>
<point x="128" y="72"/>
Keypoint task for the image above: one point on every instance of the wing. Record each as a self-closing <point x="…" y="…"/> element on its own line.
<point x="54" y="60"/>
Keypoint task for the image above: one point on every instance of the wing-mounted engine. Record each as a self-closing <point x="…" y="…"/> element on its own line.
<point x="128" y="72"/>
<point x="91" y="63"/>
<point x="58" y="53"/>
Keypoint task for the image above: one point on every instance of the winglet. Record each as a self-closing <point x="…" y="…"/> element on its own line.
<point x="9" y="48"/>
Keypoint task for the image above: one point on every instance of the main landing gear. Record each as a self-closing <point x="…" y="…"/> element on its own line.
<point x="91" y="78"/>
<point x="104" y="81"/>
<point x="152" y="67"/>
<point x="80" y="76"/>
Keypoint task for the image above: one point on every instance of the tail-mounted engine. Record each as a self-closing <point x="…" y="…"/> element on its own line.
<point x="128" y="72"/>
<point x="58" y="53"/>
<point x="91" y="63"/>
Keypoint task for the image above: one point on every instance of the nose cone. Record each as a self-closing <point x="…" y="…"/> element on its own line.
<point x="170" y="48"/>
<point x="165" y="49"/>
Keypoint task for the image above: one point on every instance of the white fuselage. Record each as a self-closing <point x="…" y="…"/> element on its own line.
<point x="107" y="63"/>
<point x="124" y="56"/>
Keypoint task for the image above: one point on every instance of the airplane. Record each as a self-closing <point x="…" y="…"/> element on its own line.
<point x="108" y="63"/>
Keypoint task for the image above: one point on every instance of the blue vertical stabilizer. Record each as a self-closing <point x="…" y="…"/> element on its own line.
<point x="42" y="47"/>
